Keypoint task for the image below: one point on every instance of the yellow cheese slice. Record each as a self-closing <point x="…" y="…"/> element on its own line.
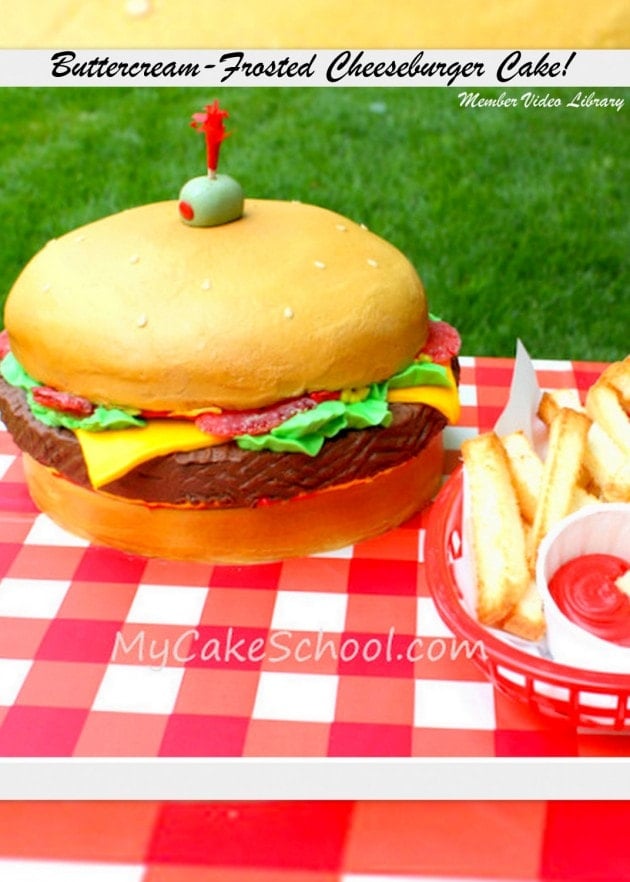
<point x="441" y="398"/>
<point x="111" y="454"/>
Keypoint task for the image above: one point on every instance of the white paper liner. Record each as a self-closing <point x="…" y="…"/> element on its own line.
<point x="519" y="413"/>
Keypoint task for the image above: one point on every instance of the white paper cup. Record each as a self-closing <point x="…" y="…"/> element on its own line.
<point x="595" y="529"/>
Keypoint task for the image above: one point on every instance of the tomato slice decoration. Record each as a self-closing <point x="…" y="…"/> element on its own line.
<point x="443" y="342"/>
<point x="318" y="397"/>
<point x="5" y="346"/>
<point x="159" y="415"/>
<point x="65" y="402"/>
<point x="253" y="422"/>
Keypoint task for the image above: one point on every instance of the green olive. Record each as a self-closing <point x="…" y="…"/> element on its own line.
<point x="209" y="201"/>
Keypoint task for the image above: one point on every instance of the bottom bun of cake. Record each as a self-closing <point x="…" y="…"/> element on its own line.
<point x="322" y="521"/>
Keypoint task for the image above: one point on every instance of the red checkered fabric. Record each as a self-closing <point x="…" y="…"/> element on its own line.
<point x="342" y="654"/>
<point x="314" y="841"/>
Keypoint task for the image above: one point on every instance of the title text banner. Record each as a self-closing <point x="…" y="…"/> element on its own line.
<point x="343" y="67"/>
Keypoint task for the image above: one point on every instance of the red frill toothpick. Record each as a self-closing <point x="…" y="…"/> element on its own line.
<point x="210" y="122"/>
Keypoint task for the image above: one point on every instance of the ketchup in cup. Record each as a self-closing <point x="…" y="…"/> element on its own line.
<point x="586" y="589"/>
<point x="582" y="575"/>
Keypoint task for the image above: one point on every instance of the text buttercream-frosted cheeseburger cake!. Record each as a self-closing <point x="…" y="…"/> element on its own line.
<point x="220" y="378"/>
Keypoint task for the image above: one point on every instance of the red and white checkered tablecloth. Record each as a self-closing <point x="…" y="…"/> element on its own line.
<point x="314" y="842"/>
<point x="105" y="654"/>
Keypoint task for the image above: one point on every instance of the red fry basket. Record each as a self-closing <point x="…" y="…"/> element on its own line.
<point x="585" y="698"/>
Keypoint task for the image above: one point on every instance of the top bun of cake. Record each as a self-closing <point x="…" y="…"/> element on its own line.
<point x="185" y="24"/>
<point x="141" y="310"/>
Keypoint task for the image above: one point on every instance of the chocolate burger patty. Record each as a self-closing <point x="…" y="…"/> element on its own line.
<point x="226" y="475"/>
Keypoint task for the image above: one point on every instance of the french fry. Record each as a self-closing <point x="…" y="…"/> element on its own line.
<point x="617" y="489"/>
<point x="526" y="469"/>
<point x="580" y="498"/>
<point x="607" y="401"/>
<point x="498" y="533"/>
<point x="551" y="403"/>
<point x="549" y="408"/>
<point x="617" y="375"/>
<point x="606" y="463"/>
<point x="561" y="473"/>
<point x="527" y="619"/>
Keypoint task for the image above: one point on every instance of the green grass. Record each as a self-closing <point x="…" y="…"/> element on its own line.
<point x="516" y="219"/>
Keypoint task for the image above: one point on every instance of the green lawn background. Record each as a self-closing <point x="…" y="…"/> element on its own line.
<point x="516" y="218"/>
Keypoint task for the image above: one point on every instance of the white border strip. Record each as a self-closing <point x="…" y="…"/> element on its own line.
<point x="458" y="68"/>
<point x="328" y="778"/>
<point x="65" y="870"/>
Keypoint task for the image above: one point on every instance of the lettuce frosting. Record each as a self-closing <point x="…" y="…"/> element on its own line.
<point x="420" y="373"/>
<point x="101" y="418"/>
<point x="304" y="432"/>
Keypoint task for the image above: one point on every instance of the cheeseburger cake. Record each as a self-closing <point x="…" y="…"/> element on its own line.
<point x="264" y="385"/>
